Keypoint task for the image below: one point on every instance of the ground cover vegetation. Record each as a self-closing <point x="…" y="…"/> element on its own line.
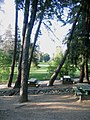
<point x="77" y="40"/>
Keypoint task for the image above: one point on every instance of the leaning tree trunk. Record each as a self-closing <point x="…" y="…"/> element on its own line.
<point x="54" y="76"/>
<point x="15" y="49"/>
<point x="25" y="22"/>
<point x="36" y="35"/>
<point x="24" y="77"/>
<point x="35" y="40"/>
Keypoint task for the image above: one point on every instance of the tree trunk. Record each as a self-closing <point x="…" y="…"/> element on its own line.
<point x="36" y="35"/>
<point x="87" y="31"/>
<point x="25" y="22"/>
<point x="54" y="76"/>
<point x="24" y="77"/>
<point x="86" y="70"/>
<point x="82" y="72"/>
<point x="15" y="49"/>
<point x="35" y="40"/>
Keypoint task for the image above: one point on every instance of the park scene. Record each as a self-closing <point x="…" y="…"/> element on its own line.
<point x="44" y="60"/>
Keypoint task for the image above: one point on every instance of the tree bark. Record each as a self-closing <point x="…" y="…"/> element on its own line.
<point x="36" y="35"/>
<point x="15" y="48"/>
<point x="87" y="31"/>
<point x="54" y="76"/>
<point x="35" y="40"/>
<point x="86" y="70"/>
<point x="82" y="71"/>
<point x="25" y="22"/>
<point x="24" y="77"/>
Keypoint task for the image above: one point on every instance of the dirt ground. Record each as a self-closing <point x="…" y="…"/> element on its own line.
<point x="45" y="107"/>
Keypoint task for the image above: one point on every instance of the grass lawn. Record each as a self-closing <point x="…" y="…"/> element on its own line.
<point x="41" y="73"/>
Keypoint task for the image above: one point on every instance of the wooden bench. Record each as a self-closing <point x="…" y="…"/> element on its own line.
<point x="85" y="88"/>
<point x="77" y="91"/>
<point x="82" y="91"/>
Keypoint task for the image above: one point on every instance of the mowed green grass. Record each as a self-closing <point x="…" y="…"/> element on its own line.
<point x="40" y="73"/>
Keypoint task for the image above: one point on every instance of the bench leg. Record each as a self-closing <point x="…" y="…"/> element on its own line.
<point x="80" y="97"/>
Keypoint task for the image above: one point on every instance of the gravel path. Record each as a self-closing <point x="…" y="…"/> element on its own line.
<point x="42" y="106"/>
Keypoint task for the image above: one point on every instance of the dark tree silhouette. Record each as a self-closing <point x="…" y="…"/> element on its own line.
<point x="24" y="77"/>
<point x="25" y="22"/>
<point x="54" y="76"/>
<point x="15" y="48"/>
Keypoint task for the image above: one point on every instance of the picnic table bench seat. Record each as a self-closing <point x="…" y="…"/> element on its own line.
<point x="77" y="91"/>
<point x="82" y="91"/>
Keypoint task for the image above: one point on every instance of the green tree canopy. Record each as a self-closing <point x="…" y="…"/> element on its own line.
<point x="5" y="59"/>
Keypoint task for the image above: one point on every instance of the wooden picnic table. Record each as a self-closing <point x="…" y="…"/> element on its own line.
<point x="84" y="87"/>
<point x="82" y="91"/>
<point x="33" y="82"/>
